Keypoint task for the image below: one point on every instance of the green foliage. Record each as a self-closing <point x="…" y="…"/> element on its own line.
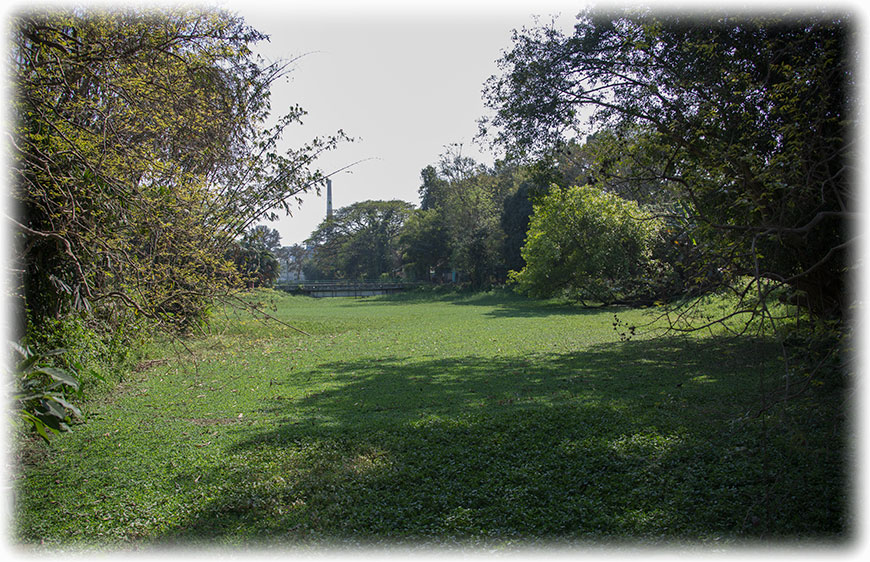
<point x="97" y="350"/>
<point x="591" y="245"/>
<point x="432" y="189"/>
<point x="425" y="245"/>
<point x="262" y="237"/>
<point x="41" y="392"/>
<point x="464" y="204"/>
<point x="254" y="257"/>
<point x="745" y="121"/>
<point x="471" y="206"/>
<point x="360" y="241"/>
<point x="140" y="154"/>
<point x="515" y="216"/>
<point x="292" y="260"/>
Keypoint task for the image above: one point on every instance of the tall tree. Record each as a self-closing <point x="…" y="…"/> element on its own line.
<point x="471" y="203"/>
<point x="432" y="189"/>
<point x="262" y="235"/>
<point x="292" y="260"/>
<point x="515" y="216"/>
<point x="746" y="119"/>
<point x="425" y="245"/>
<point x="255" y="256"/>
<point x="140" y="153"/>
<point x="361" y="241"/>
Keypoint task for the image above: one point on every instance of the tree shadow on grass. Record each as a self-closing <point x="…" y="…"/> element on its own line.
<point x="643" y="440"/>
<point x="503" y="303"/>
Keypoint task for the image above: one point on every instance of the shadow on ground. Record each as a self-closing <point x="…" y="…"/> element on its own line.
<point x="637" y="440"/>
<point x="503" y="303"/>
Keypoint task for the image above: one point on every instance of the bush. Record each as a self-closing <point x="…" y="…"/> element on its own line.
<point x="589" y="245"/>
<point x="41" y="391"/>
<point x="98" y="350"/>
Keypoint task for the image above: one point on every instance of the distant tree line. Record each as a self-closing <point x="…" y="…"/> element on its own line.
<point x="459" y="233"/>
<point x="551" y="230"/>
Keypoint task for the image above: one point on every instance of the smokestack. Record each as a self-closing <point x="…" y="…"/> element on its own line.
<point x="328" y="198"/>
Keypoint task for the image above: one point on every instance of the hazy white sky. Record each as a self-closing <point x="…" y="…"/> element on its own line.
<point x="404" y="79"/>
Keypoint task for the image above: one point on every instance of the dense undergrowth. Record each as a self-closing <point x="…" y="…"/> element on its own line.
<point x="444" y="419"/>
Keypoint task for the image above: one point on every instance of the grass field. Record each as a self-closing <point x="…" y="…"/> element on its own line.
<point x="441" y="420"/>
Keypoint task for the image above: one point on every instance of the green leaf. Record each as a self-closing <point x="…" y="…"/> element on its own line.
<point x="53" y="408"/>
<point x="20" y="349"/>
<point x="69" y="406"/>
<point x="60" y="375"/>
<point x="37" y="425"/>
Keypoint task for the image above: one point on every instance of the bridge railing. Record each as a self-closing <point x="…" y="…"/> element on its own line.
<point x="319" y="286"/>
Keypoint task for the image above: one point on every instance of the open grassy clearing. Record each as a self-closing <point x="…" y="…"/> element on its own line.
<point x="484" y="419"/>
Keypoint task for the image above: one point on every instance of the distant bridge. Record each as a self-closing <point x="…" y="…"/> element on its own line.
<point x="343" y="288"/>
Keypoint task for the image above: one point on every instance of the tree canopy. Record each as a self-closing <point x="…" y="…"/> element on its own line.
<point x="256" y="256"/>
<point x="141" y="151"/>
<point x="458" y="234"/>
<point x="424" y="243"/>
<point x="746" y="121"/>
<point x="360" y="241"/>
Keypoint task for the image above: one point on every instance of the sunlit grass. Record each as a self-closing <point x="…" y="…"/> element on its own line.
<point x="483" y="419"/>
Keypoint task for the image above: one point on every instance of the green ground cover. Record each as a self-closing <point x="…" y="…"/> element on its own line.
<point x="472" y="420"/>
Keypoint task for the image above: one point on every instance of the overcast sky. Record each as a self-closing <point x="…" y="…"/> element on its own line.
<point x="404" y="79"/>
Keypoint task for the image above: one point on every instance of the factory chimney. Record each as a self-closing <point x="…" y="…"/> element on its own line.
<point x="328" y="199"/>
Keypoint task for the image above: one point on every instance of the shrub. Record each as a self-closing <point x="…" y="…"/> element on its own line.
<point x="589" y="245"/>
<point x="40" y="392"/>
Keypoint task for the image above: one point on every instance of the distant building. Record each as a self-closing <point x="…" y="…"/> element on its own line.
<point x="291" y="275"/>
<point x="291" y="259"/>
